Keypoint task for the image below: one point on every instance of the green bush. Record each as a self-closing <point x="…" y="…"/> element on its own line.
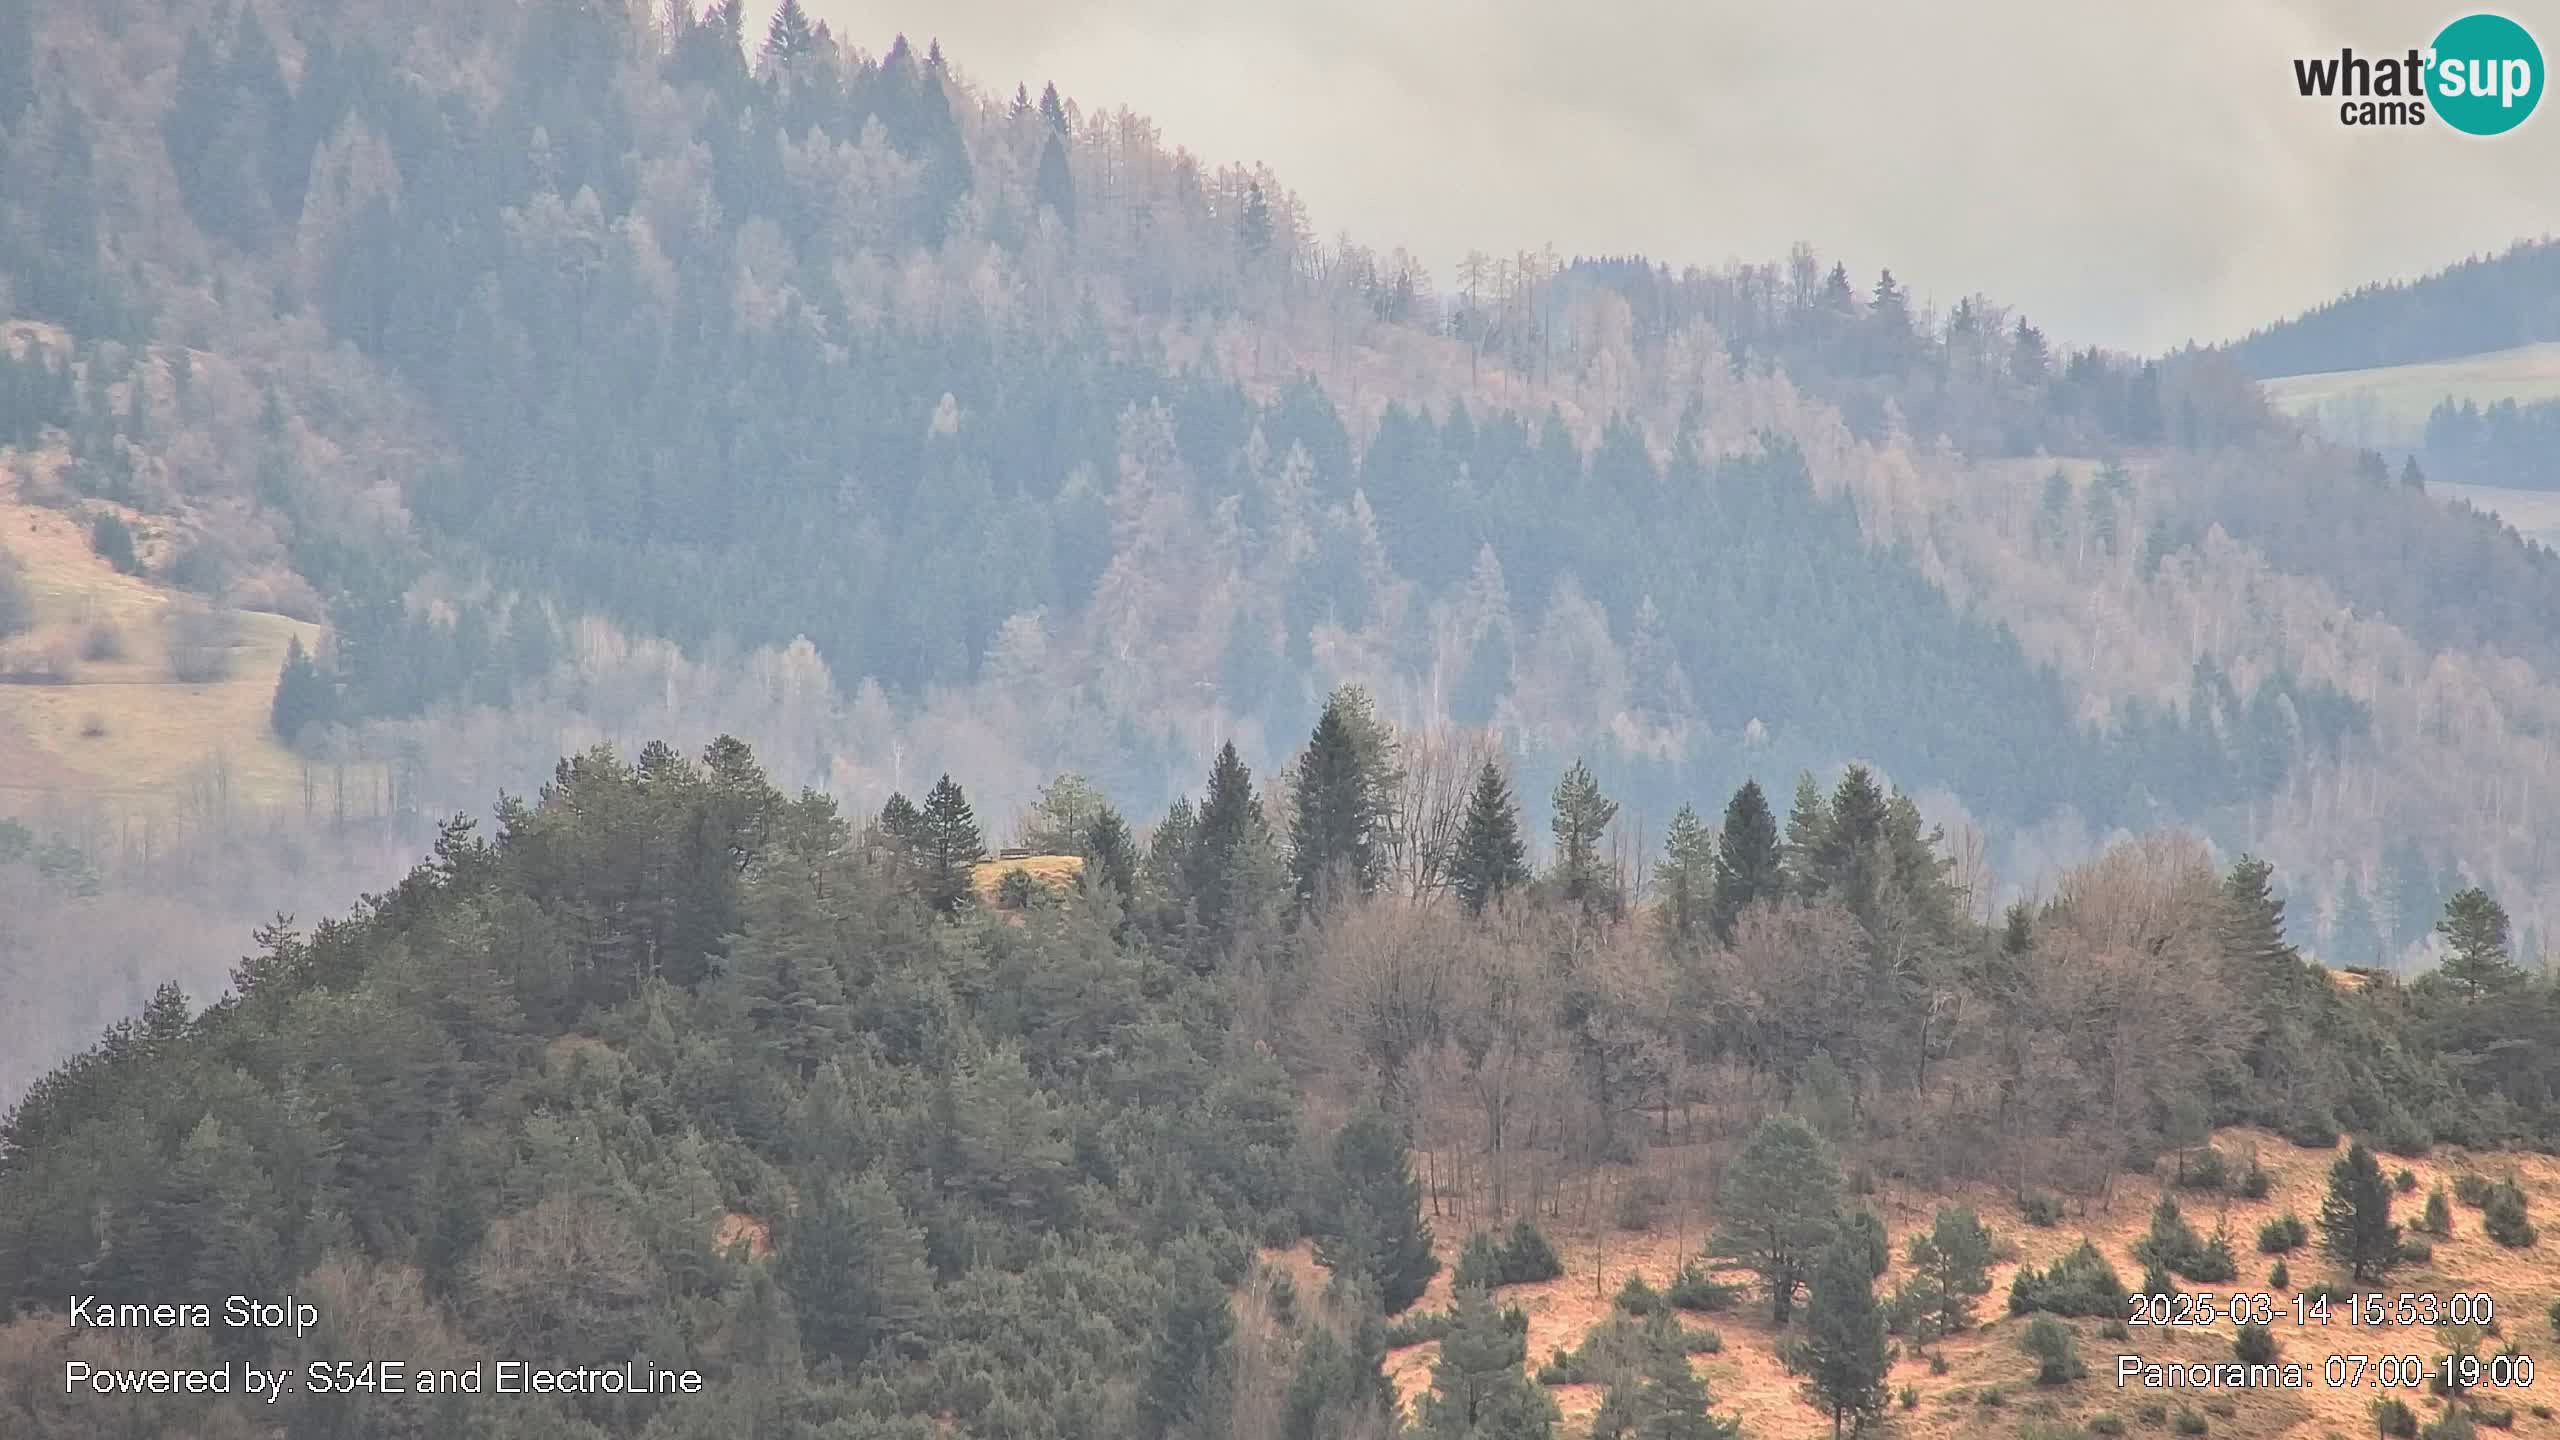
<point x="2329" y="1290"/>
<point x="2416" y="1249"/>
<point x="2152" y="1412"/>
<point x="2173" y="1245"/>
<point x="2115" y="1329"/>
<point x="1910" y="1397"/>
<point x="2554" y="1314"/>
<point x="2496" y="1417"/>
<point x="2188" y="1422"/>
<point x="2439" y="1214"/>
<point x="2471" y="1190"/>
<point x="1991" y="1397"/>
<point x="2080" y="1283"/>
<point x="2453" y="1424"/>
<point x="2057" y="1357"/>
<point x="2393" y="1417"/>
<point x="2207" y="1170"/>
<point x="2253" y="1345"/>
<point x="2278" y="1277"/>
<point x="2106" y="1422"/>
<point x="1527" y="1258"/>
<point x="2315" y="1131"/>
<point x="1638" y="1298"/>
<point x="2255" y="1182"/>
<point x="2283" y="1235"/>
<point x="2041" y="1210"/>
<point x="2502" y="1216"/>
<point x="2406" y="1182"/>
<point x="1479" y="1264"/>
<point x="1698" y="1292"/>
<point x="1937" y="1363"/>
<point x="113" y="540"/>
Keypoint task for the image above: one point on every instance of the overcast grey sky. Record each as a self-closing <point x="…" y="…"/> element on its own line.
<point x="2130" y="174"/>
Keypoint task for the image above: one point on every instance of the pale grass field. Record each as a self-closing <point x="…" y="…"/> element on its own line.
<point x="1748" y="1380"/>
<point x="2389" y="405"/>
<point x="123" y="730"/>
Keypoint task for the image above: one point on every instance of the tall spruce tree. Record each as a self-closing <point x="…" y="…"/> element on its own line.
<point x="1748" y="866"/>
<point x="854" y="1267"/>
<point x="1842" y="1356"/>
<point x="1584" y="876"/>
<point x="1952" y="1259"/>
<point x="303" y="698"/>
<point x="1217" y="874"/>
<point x="948" y="846"/>
<point x="1111" y="853"/>
<point x="1687" y="876"/>
<point x="2356" y="1228"/>
<point x="1186" y="1387"/>
<point x="1333" y="852"/>
<point x="1375" y="1226"/>
<point x="1053" y="185"/>
<point x="1808" y="833"/>
<point x="1491" y="859"/>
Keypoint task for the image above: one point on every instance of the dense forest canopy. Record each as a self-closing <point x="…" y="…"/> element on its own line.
<point x="2488" y="302"/>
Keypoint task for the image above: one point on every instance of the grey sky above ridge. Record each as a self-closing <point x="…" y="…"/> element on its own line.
<point x="2130" y="175"/>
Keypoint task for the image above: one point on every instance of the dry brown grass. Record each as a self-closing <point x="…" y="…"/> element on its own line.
<point x="1747" y="1378"/>
<point x="1058" y="872"/>
<point x="735" y="1227"/>
<point x="119" y="727"/>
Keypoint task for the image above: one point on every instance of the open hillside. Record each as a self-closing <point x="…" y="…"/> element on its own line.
<point x="2486" y="304"/>
<point x="2387" y="407"/>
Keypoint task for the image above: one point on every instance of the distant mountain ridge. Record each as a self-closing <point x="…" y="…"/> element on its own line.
<point x="2488" y="302"/>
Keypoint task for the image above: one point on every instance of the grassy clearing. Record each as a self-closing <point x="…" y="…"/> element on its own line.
<point x="2388" y="406"/>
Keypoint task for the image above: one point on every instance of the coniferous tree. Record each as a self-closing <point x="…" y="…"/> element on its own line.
<point x="2356" y="1228"/>
<point x="1185" y="1388"/>
<point x="1491" y="859"/>
<point x="1850" y="858"/>
<point x="1332" y="844"/>
<point x="303" y="696"/>
<point x="1217" y="878"/>
<point x="1111" y="853"/>
<point x="1253" y="223"/>
<point x="1842" y="1356"/>
<point x="854" y="1267"/>
<point x="1478" y="1389"/>
<point x="1954" y="1258"/>
<point x="788" y="36"/>
<point x="113" y="540"/>
<point x="1779" y="1204"/>
<point x="1748" y="865"/>
<point x="1687" y="876"/>
<point x="1375" y="1225"/>
<point x="1580" y="824"/>
<point x="1053" y="111"/>
<point x="1808" y="834"/>
<point x="1053" y="185"/>
<point x="948" y="846"/>
<point x="2474" y="928"/>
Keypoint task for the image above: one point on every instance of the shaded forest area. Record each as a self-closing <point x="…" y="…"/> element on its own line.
<point x="2488" y="302"/>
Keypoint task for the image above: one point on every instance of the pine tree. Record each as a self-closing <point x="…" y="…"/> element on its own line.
<point x="1186" y="1383"/>
<point x="1849" y="860"/>
<point x="2474" y="928"/>
<point x="303" y="697"/>
<point x="1780" y="1204"/>
<point x="1111" y="853"/>
<point x="1333" y="850"/>
<point x="1688" y="875"/>
<point x="1842" y="1356"/>
<point x="789" y="36"/>
<point x="2356" y="1228"/>
<point x="1748" y="867"/>
<point x="1253" y="224"/>
<point x="1491" y="860"/>
<point x="113" y="540"/>
<point x="1663" y="1399"/>
<point x="855" y="1270"/>
<point x="1580" y="823"/>
<point x="948" y="845"/>
<point x="1954" y="1258"/>
<point x="1052" y="109"/>
<point x="1478" y="1390"/>
<point x="1053" y="185"/>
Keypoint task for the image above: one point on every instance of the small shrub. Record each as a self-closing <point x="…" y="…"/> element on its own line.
<point x="2041" y="1210"/>
<point x="2393" y="1417"/>
<point x="1937" y="1363"/>
<point x="2502" y="1216"/>
<point x="2115" y="1329"/>
<point x="2554" y="1314"/>
<point x="100" y="640"/>
<point x="2057" y="1358"/>
<point x="2542" y="1412"/>
<point x="1991" y="1397"/>
<point x="1910" y="1397"/>
<point x="2080" y="1283"/>
<point x="2283" y="1235"/>
<point x="2416" y="1249"/>
<point x="2453" y="1424"/>
<point x="2278" y="1277"/>
<point x="2406" y="1181"/>
<point x="1698" y="1292"/>
<point x="2402" y="1133"/>
<point x="2207" y="1170"/>
<point x="2188" y="1422"/>
<point x="1638" y="1298"/>
<point x="2152" y="1412"/>
<point x="2312" y="1132"/>
<point x="1416" y="1327"/>
<point x="2471" y="1190"/>
<point x="2328" y="1290"/>
<point x="1479" y="1264"/>
<point x="2496" y="1417"/>
<point x="2255" y="1182"/>
<point x="2439" y="1216"/>
<point x="113" y="540"/>
<point x="1702" y="1341"/>
<point x="2106" y="1422"/>
<point x="2253" y="1345"/>
<point x="93" y="726"/>
<point x="2221" y="1409"/>
<point x="1527" y="1258"/>
<point x="1016" y="890"/>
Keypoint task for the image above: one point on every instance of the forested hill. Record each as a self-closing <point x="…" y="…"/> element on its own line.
<point x="2488" y="302"/>
<point x="600" y="375"/>
<point x="675" y="1070"/>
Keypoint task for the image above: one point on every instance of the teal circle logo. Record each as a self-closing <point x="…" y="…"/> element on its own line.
<point x="2486" y="75"/>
